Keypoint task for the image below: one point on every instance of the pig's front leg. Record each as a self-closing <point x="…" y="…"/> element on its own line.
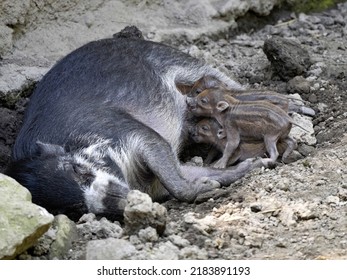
<point x="233" y="141"/>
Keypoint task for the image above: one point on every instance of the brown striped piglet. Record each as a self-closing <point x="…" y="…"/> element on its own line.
<point x="256" y="120"/>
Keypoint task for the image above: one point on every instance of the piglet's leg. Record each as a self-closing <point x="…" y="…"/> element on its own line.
<point x="233" y="141"/>
<point x="291" y="145"/>
<point x="237" y="155"/>
<point x="271" y="147"/>
<point x="211" y="155"/>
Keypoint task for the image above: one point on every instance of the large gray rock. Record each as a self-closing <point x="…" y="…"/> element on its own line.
<point x="140" y="213"/>
<point x="57" y="241"/>
<point x="287" y="57"/>
<point x="21" y="222"/>
<point x="110" y="249"/>
<point x="16" y="80"/>
<point x="11" y="13"/>
<point x="43" y="34"/>
<point x="66" y="233"/>
<point x="89" y="227"/>
<point x="43" y="39"/>
<point x="302" y="129"/>
<point x="5" y="39"/>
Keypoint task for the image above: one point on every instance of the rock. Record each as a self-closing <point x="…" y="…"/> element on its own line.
<point x="179" y="241"/>
<point x="129" y="32"/>
<point x="89" y="227"/>
<point x="240" y="7"/>
<point x="313" y="98"/>
<point x="135" y="240"/>
<point x="21" y="222"/>
<point x="288" y="58"/>
<point x="204" y="225"/>
<point x="303" y="212"/>
<point x="16" y="80"/>
<point x="193" y="253"/>
<point x="304" y="133"/>
<point x="255" y="207"/>
<point x="13" y="12"/>
<point x="283" y="185"/>
<point x="197" y="161"/>
<point x="57" y="241"/>
<point x="40" y="23"/>
<point x="254" y="241"/>
<point x="140" y="213"/>
<point x="298" y="85"/>
<point x="148" y="235"/>
<point x="331" y="199"/>
<point x="292" y="157"/>
<point x="66" y="233"/>
<point x="110" y="249"/>
<point x="5" y="40"/>
<point x="43" y="244"/>
<point x="343" y="193"/>
<point x="286" y="216"/>
<point x="165" y="251"/>
<point x="306" y="150"/>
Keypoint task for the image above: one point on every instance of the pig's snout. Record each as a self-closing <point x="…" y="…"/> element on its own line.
<point x="191" y="103"/>
<point x="192" y="130"/>
<point x="193" y="133"/>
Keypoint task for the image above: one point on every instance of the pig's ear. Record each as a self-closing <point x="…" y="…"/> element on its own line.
<point x="212" y="82"/>
<point x="222" y="106"/>
<point x="221" y="134"/>
<point x="183" y="88"/>
<point x="49" y="149"/>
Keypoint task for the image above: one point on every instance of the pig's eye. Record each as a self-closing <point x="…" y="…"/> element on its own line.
<point x="198" y="90"/>
<point x="75" y="168"/>
<point x="78" y="169"/>
<point x="67" y="166"/>
<point x="83" y="173"/>
<point x="204" y="100"/>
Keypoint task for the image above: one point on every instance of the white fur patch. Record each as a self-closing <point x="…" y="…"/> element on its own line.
<point x="96" y="193"/>
<point x="126" y="156"/>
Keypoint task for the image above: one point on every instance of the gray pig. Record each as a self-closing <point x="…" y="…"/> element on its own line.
<point x="109" y="118"/>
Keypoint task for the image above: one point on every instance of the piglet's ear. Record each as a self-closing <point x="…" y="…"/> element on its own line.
<point x="222" y="106"/>
<point x="49" y="149"/>
<point x="221" y="134"/>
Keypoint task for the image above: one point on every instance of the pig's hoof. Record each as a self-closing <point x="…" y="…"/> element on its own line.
<point x="219" y="165"/>
<point x="269" y="163"/>
<point x="206" y="184"/>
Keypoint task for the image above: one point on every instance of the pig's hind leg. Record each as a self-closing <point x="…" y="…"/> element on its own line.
<point x="223" y="176"/>
<point x="291" y="146"/>
<point x="185" y="182"/>
<point x="271" y="147"/>
<point x="164" y="164"/>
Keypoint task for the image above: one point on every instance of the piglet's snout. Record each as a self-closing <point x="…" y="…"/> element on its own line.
<point x="191" y="103"/>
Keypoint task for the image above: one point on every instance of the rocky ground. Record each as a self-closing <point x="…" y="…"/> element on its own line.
<point x="295" y="211"/>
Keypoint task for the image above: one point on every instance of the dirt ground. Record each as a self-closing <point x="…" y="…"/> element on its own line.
<point x="298" y="210"/>
<point x="295" y="211"/>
